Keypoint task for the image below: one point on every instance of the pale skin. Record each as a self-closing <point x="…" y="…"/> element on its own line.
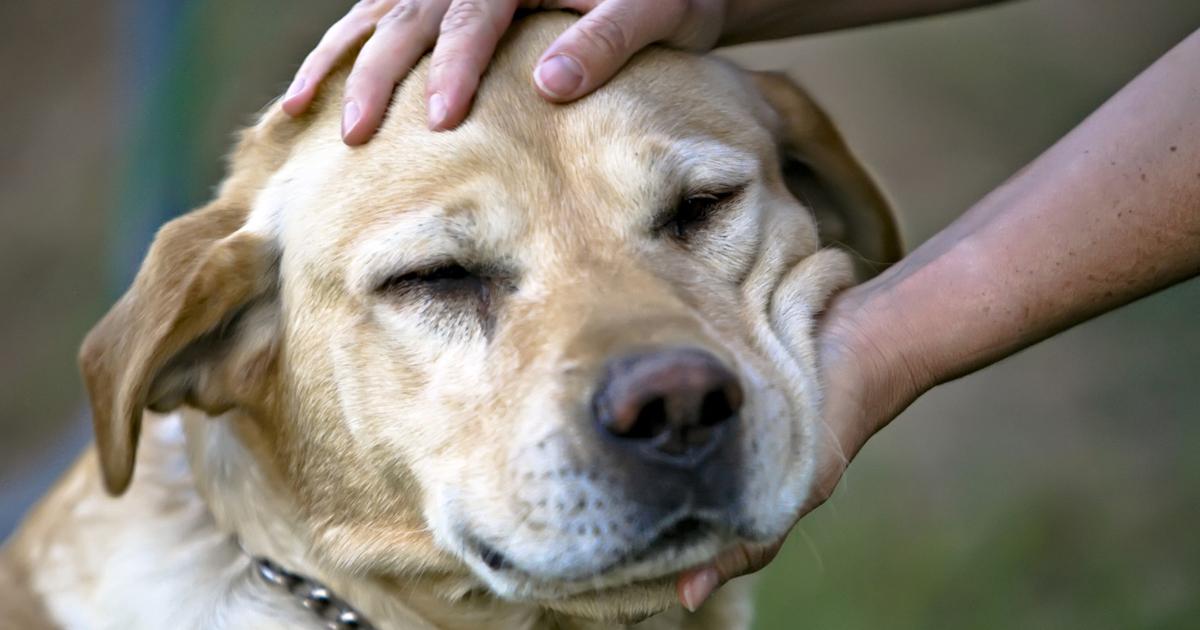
<point x="1107" y="215"/>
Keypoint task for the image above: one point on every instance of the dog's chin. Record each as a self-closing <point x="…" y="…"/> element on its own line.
<point x="513" y="582"/>
<point x="639" y="584"/>
<point x="627" y="587"/>
<point x="625" y="604"/>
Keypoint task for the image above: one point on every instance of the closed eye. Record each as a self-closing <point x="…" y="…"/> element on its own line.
<point x="694" y="211"/>
<point x="442" y="281"/>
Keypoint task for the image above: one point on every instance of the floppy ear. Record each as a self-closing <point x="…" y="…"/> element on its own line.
<point x="824" y="174"/>
<point x="200" y="323"/>
<point x="199" y="274"/>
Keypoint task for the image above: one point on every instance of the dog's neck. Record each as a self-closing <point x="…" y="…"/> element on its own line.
<point x="244" y="503"/>
<point x="314" y="596"/>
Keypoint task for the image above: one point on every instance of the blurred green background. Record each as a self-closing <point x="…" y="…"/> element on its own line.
<point x="1057" y="489"/>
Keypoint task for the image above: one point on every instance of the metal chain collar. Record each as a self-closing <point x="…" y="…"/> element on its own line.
<point x="336" y="613"/>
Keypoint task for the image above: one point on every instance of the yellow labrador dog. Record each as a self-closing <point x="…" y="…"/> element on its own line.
<point x="516" y="375"/>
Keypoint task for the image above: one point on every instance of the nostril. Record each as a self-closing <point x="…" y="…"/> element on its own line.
<point x="716" y="408"/>
<point x="651" y="421"/>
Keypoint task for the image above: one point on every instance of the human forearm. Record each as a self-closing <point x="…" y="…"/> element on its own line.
<point x="758" y="20"/>
<point x="1108" y="215"/>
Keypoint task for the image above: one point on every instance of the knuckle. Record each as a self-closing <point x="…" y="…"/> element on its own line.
<point x="821" y="494"/>
<point x="694" y="24"/>
<point x="826" y="485"/>
<point x="738" y="563"/>
<point x="463" y="14"/>
<point x="402" y="12"/>
<point x="606" y="35"/>
<point x="674" y="10"/>
<point x="815" y="500"/>
<point x="747" y="559"/>
<point x="763" y="556"/>
<point x="369" y="6"/>
<point x="366" y="15"/>
<point x="348" y="29"/>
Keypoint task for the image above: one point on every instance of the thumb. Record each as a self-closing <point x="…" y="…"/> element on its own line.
<point x="590" y="52"/>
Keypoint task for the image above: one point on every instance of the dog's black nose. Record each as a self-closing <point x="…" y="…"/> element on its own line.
<point x="671" y="405"/>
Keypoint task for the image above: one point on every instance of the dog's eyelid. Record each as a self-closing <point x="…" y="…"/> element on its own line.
<point x="696" y="206"/>
<point x="445" y="271"/>
<point x="429" y="271"/>
<point x="713" y="189"/>
<point x="718" y="194"/>
<point x="410" y="241"/>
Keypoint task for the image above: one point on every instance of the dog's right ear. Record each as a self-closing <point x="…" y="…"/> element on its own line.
<point x="199" y="323"/>
<point x="198" y="274"/>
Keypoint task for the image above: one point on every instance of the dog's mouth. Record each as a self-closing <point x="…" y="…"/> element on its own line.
<point x="676" y="537"/>
<point x="673" y="541"/>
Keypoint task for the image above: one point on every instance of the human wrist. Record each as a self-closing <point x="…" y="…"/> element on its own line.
<point x="948" y="309"/>
<point x="750" y="21"/>
<point x="861" y="343"/>
<point x="923" y="321"/>
<point x="761" y="20"/>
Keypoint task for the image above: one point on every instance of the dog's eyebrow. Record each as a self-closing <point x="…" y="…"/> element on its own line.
<point x="409" y="240"/>
<point x="703" y="163"/>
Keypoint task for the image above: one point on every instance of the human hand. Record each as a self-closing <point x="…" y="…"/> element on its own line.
<point x="865" y="388"/>
<point x="998" y="279"/>
<point x="464" y="34"/>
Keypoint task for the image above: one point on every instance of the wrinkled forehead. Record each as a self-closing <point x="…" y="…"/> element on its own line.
<point x="518" y="167"/>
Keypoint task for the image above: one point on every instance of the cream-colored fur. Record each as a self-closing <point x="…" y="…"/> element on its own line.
<point x="372" y="432"/>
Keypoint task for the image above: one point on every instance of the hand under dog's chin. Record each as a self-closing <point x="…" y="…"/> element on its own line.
<point x="626" y="604"/>
<point x="626" y="593"/>
<point x="516" y="583"/>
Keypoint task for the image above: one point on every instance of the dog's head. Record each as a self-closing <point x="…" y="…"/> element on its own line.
<point x="563" y="351"/>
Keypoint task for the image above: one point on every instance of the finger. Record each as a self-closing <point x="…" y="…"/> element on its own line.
<point x="469" y="33"/>
<point x="594" y="48"/>
<point x="696" y="585"/>
<point x="829" y="474"/>
<point x="401" y="37"/>
<point x="345" y="34"/>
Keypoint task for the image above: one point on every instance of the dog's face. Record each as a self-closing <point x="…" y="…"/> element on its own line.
<point x="564" y="351"/>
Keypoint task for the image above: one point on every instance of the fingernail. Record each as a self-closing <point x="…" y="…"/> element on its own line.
<point x="559" y="76"/>
<point x="296" y="87"/>
<point x="350" y="116"/>
<point x="437" y="111"/>
<point x="699" y="588"/>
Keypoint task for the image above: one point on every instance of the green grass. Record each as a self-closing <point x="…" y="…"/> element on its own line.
<point x="1024" y="558"/>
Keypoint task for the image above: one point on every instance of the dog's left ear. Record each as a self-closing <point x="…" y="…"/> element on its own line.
<point x="819" y="169"/>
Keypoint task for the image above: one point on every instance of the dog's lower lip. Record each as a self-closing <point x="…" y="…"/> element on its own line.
<point x="680" y="534"/>
<point x="677" y="535"/>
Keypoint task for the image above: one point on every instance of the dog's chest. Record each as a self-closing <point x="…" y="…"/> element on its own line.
<point x="153" y="558"/>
